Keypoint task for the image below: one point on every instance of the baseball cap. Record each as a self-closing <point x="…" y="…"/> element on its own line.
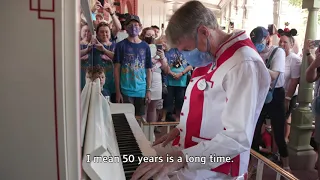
<point x="258" y="34"/>
<point x="132" y="18"/>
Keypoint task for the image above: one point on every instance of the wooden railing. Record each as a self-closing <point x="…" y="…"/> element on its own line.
<point x="264" y="161"/>
<point x="148" y="129"/>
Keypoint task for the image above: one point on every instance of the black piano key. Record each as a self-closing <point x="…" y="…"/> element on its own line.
<point x="129" y="148"/>
<point x="127" y="144"/>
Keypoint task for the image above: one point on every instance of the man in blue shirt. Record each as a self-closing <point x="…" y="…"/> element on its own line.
<point x="132" y="68"/>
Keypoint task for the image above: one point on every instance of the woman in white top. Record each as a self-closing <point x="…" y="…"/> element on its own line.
<point x="274" y="58"/>
<point x="159" y="62"/>
<point x="292" y="73"/>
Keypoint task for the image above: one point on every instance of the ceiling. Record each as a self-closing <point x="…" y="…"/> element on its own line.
<point x="214" y="5"/>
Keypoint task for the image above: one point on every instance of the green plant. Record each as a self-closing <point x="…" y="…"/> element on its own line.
<point x="297" y="3"/>
<point x="304" y="12"/>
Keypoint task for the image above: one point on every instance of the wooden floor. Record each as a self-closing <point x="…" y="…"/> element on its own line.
<point x="268" y="174"/>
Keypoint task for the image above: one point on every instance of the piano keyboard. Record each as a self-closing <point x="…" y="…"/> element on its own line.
<point x="111" y="131"/>
<point x="127" y="144"/>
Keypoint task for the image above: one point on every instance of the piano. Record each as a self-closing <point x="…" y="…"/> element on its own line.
<point x="112" y="140"/>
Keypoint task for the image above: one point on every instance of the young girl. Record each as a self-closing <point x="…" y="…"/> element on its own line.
<point x="85" y="55"/>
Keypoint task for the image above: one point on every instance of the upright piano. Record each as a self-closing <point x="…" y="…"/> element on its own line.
<point x="112" y="139"/>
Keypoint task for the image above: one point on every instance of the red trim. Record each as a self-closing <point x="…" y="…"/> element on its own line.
<point x="229" y="41"/>
<point x="42" y="10"/>
<point x="206" y="139"/>
<point x="193" y="124"/>
<point x="235" y="166"/>
<point x="200" y="71"/>
<point x="39" y="10"/>
<point x="176" y="141"/>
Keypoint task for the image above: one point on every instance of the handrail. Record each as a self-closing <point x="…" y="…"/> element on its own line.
<point x="273" y="166"/>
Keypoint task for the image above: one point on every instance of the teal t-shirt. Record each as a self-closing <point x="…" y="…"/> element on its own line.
<point x="134" y="59"/>
<point x="172" y="56"/>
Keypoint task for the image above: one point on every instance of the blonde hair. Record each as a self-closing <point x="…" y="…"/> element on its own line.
<point x="185" y="21"/>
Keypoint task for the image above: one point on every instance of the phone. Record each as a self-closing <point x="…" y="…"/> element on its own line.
<point x="162" y="26"/>
<point x="116" y="3"/>
<point x="271" y="29"/>
<point x="159" y="46"/>
<point x="102" y="2"/>
<point x="317" y="43"/>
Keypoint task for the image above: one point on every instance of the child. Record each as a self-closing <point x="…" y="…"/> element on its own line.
<point x="98" y="72"/>
<point x="265" y="147"/>
<point x="132" y="68"/>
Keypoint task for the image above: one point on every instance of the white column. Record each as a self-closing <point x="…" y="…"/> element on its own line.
<point x="276" y="13"/>
<point x="223" y="17"/>
<point x="227" y="15"/>
<point x="276" y="19"/>
<point x="240" y="14"/>
<point x="233" y="13"/>
<point x="246" y="24"/>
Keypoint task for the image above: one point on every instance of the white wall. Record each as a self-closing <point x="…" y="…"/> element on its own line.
<point x="151" y="12"/>
<point x="28" y="117"/>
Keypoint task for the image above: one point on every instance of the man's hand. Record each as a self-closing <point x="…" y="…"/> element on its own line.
<point x="119" y="98"/>
<point x="165" y="139"/>
<point x="317" y="60"/>
<point x="97" y="6"/>
<point x="108" y="8"/>
<point x="160" y="53"/>
<point x="99" y="46"/>
<point x="85" y="57"/>
<point x="148" y="97"/>
<point x="159" y="170"/>
<point x="309" y="45"/>
<point x="287" y="104"/>
<point x="177" y="76"/>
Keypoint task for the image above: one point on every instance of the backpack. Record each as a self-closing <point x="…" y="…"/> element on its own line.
<point x="268" y="64"/>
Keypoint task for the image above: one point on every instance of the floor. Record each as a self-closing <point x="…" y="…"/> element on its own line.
<point x="268" y="173"/>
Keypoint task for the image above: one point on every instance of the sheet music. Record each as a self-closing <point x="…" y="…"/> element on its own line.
<point x="85" y="102"/>
<point x="99" y="146"/>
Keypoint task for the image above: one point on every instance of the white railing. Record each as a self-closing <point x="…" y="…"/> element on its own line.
<point x="148" y="129"/>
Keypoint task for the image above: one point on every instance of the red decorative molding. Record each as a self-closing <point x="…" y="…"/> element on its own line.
<point x="39" y="10"/>
<point x="132" y="6"/>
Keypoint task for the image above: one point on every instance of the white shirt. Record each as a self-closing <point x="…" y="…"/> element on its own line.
<point x="121" y="36"/>
<point x="277" y="64"/>
<point x="293" y="64"/>
<point x="220" y="119"/>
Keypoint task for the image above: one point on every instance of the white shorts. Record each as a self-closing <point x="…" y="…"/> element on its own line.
<point x="186" y="174"/>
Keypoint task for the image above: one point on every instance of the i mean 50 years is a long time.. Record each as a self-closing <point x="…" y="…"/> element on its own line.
<point x="125" y="159"/>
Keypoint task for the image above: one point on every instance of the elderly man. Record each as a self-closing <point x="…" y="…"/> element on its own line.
<point x="222" y="102"/>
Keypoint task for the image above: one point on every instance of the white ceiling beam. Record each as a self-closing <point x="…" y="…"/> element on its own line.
<point x="224" y="3"/>
<point x="208" y="5"/>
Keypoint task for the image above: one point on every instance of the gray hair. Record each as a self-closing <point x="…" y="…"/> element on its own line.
<point x="185" y="21"/>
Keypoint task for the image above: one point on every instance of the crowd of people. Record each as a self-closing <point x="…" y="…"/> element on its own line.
<point x="139" y="67"/>
<point x="152" y="71"/>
